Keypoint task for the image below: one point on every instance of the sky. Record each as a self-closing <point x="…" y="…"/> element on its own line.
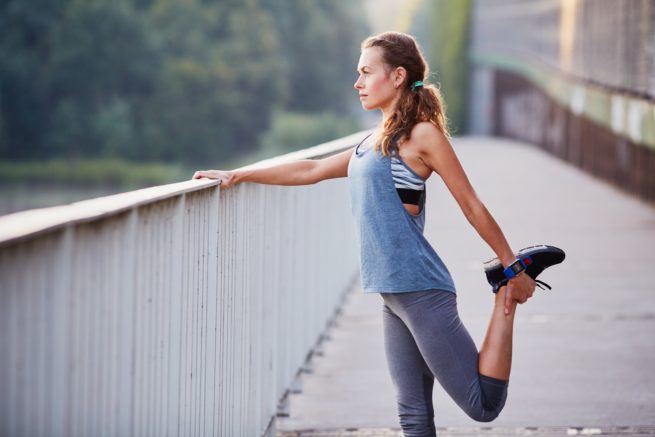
<point x="386" y="15"/>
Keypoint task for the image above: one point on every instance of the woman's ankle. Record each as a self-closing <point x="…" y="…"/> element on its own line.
<point x="499" y="303"/>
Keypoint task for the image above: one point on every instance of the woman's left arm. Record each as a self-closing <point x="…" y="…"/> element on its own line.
<point x="438" y="154"/>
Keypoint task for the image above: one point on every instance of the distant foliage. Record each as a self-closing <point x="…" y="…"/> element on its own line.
<point x="446" y="33"/>
<point x="167" y="80"/>
<point x="293" y="131"/>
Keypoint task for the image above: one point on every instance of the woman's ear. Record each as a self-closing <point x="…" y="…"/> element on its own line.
<point x="399" y="75"/>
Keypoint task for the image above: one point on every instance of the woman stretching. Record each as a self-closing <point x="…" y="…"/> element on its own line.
<point x="423" y="335"/>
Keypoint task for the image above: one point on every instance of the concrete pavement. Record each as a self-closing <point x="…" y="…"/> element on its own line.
<point x="584" y="352"/>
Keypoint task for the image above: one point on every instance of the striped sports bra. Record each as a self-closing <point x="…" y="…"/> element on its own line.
<point x="409" y="185"/>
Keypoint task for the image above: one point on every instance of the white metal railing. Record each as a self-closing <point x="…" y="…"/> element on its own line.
<point x="173" y="310"/>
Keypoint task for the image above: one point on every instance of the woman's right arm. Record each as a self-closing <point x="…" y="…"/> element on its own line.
<point x="302" y="172"/>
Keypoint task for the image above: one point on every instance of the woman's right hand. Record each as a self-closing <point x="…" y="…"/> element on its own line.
<point x="519" y="290"/>
<point x="227" y="178"/>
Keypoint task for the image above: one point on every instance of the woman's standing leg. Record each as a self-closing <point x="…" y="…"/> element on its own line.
<point x="411" y="377"/>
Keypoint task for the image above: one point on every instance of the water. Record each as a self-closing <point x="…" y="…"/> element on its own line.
<point x="14" y="198"/>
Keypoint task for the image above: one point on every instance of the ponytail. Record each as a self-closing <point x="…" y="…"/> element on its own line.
<point x="413" y="107"/>
<point x="419" y="102"/>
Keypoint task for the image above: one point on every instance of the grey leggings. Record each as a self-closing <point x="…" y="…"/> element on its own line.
<point x="424" y="338"/>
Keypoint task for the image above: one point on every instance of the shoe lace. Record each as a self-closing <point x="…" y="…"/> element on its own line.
<point x="540" y="284"/>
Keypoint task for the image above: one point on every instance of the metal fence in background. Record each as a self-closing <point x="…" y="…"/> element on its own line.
<point x="606" y="42"/>
<point x="574" y="77"/>
<point x="173" y="310"/>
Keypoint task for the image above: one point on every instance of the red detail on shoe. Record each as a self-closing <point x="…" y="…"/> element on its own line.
<point x="527" y="261"/>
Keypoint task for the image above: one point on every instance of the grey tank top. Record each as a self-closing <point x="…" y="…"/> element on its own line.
<point x="394" y="255"/>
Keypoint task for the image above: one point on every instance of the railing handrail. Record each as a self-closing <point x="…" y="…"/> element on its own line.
<point x="171" y="308"/>
<point x="31" y="223"/>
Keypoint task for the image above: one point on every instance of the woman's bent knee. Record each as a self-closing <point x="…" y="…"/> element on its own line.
<point x="486" y="405"/>
<point x="494" y="395"/>
<point x="483" y="415"/>
<point x="485" y="410"/>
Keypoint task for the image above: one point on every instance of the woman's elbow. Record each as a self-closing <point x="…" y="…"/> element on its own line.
<point x="316" y="173"/>
<point x="322" y="171"/>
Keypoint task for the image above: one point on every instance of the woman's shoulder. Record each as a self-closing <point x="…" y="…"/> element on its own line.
<point x="424" y="129"/>
<point x="425" y="134"/>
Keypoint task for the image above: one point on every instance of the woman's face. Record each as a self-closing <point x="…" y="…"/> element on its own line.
<point x="375" y="86"/>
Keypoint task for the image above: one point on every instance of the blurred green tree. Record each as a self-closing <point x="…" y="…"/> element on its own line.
<point x="448" y="57"/>
<point x="219" y="80"/>
<point x="25" y="46"/>
<point x="190" y="81"/>
<point x="102" y="56"/>
<point x="320" y="41"/>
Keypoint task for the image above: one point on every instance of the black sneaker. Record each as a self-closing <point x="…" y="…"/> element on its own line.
<point x="536" y="259"/>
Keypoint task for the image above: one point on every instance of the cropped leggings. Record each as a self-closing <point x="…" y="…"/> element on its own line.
<point x="424" y="339"/>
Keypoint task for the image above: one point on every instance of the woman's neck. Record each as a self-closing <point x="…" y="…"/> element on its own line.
<point x="389" y="109"/>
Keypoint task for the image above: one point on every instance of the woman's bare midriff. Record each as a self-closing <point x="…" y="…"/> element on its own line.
<point x="411" y="208"/>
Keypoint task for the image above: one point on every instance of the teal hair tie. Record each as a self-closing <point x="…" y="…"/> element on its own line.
<point x="416" y="85"/>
